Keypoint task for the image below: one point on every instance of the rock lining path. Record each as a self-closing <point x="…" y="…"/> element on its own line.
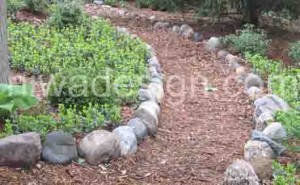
<point x="198" y="137"/>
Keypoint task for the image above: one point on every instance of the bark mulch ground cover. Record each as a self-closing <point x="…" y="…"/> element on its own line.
<point x="200" y="133"/>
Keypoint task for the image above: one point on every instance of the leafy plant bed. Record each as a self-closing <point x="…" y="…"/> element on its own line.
<point x="76" y="56"/>
<point x="91" y="71"/>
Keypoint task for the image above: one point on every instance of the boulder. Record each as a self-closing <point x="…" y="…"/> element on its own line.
<point x="240" y="70"/>
<point x="99" y="2"/>
<point x="22" y="150"/>
<point x="99" y="146"/>
<point x="253" y="80"/>
<point x="263" y="120"/>
<point x="153" y="62"/>
<point x="276" y="132"/>
<point x="59" y="148"/>
<point x="186" y="31"/>
<point x="263" y="168"/>
<point x="151" y="106"/>
<point x="139" y="128"/>
<point x="158" y="81"/>
<point x="149" y="118"/>
<point x="146" y="95"/>
<point x="154" y="73"/>
<point x="158" y="91"/>
<point x="197" y="37"/>
<point x="233" y="61"/>
<point x="269" y="103"/>
<point x="222" y="54"/>
<point x="152" y="18"/>
<point x="254" y="149"/>
<point x="123" y="31"/>
<point x="176" y="29"/>
<point x="240" y="173"/>
<point x="128" y="141"/>
<point x="254" y="92"/>
<point x="161" y="25"/>
<point x="213" y="44"/>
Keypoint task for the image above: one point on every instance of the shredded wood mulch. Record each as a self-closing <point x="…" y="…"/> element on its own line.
<point x="200" y="132"/>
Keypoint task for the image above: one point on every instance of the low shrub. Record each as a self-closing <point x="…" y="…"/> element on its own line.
<point x="262" y="65"/>
<point x="291" y="121"/>
<point x="80" y="86"/>
<point x="294" y="52"/>
<point x="68" y="12"/>
<point x="248" y="40"/>
<point x="111" y="2"/>
<point x="287" y="86"/>
<point x="37" y="6"/>
<point x="13" y="6"/>
<point x="284" y="174"/>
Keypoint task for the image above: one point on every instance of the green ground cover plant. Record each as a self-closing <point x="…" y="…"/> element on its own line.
<point x="249" y="40"/>
<point x="294" y="52"/>
<point x="284" y="175"/>
<point x="262" y="65"/>
<point x="93" y="70"/>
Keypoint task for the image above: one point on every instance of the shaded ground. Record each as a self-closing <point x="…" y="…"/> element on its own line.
<point x="200" y="132"/>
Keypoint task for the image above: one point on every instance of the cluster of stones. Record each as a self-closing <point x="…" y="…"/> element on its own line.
<point x="266" y="138"/>
<point x="183" y="30"/>
<point x="101" y="9"/>
<point x="24" y="150"/>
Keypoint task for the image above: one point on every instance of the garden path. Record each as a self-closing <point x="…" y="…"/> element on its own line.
<point x="200" y="132"/>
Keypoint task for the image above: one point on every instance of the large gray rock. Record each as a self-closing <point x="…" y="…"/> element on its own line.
<point x="161" y="25"/>
<point x="154" y="62"/>
<point x="99" y="146"/>
<point x="158" y="81"/>
<point x="213" y="44"/>
<point x="263" y="120"/>
<point x="99" y="2"/>
<point x="255" y="149"/>
<point x="59" y="148"/>
<point x="151" y="106"/>
<point x="154" y="73"/>
<point x="149" y="118"/>
<point x="253" y="80"/>
<point x="146" y="95"/>
<point x="128" y="141"/>
<point x="254" y="92"/>
<point x="186" y="31"/>
<point x="139" y="128"/>
<point x="270" y="104"/>
<point x="240" y="173"/>
<point x="263" y="168"/>
<point x="22" y="150"/>
<point x="176" y="29"/>
<point x="158" y="91"/>
<point x="123" y="31"/>
<point x="197" y="37"/>
<point x="233" y="61"/>
<point x="276" y="132"/>
<point x="222" y="54"/>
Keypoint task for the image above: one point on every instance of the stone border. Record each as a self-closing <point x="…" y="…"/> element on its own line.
<point x="24" y="150"/>
<point x="266" y="138"/>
